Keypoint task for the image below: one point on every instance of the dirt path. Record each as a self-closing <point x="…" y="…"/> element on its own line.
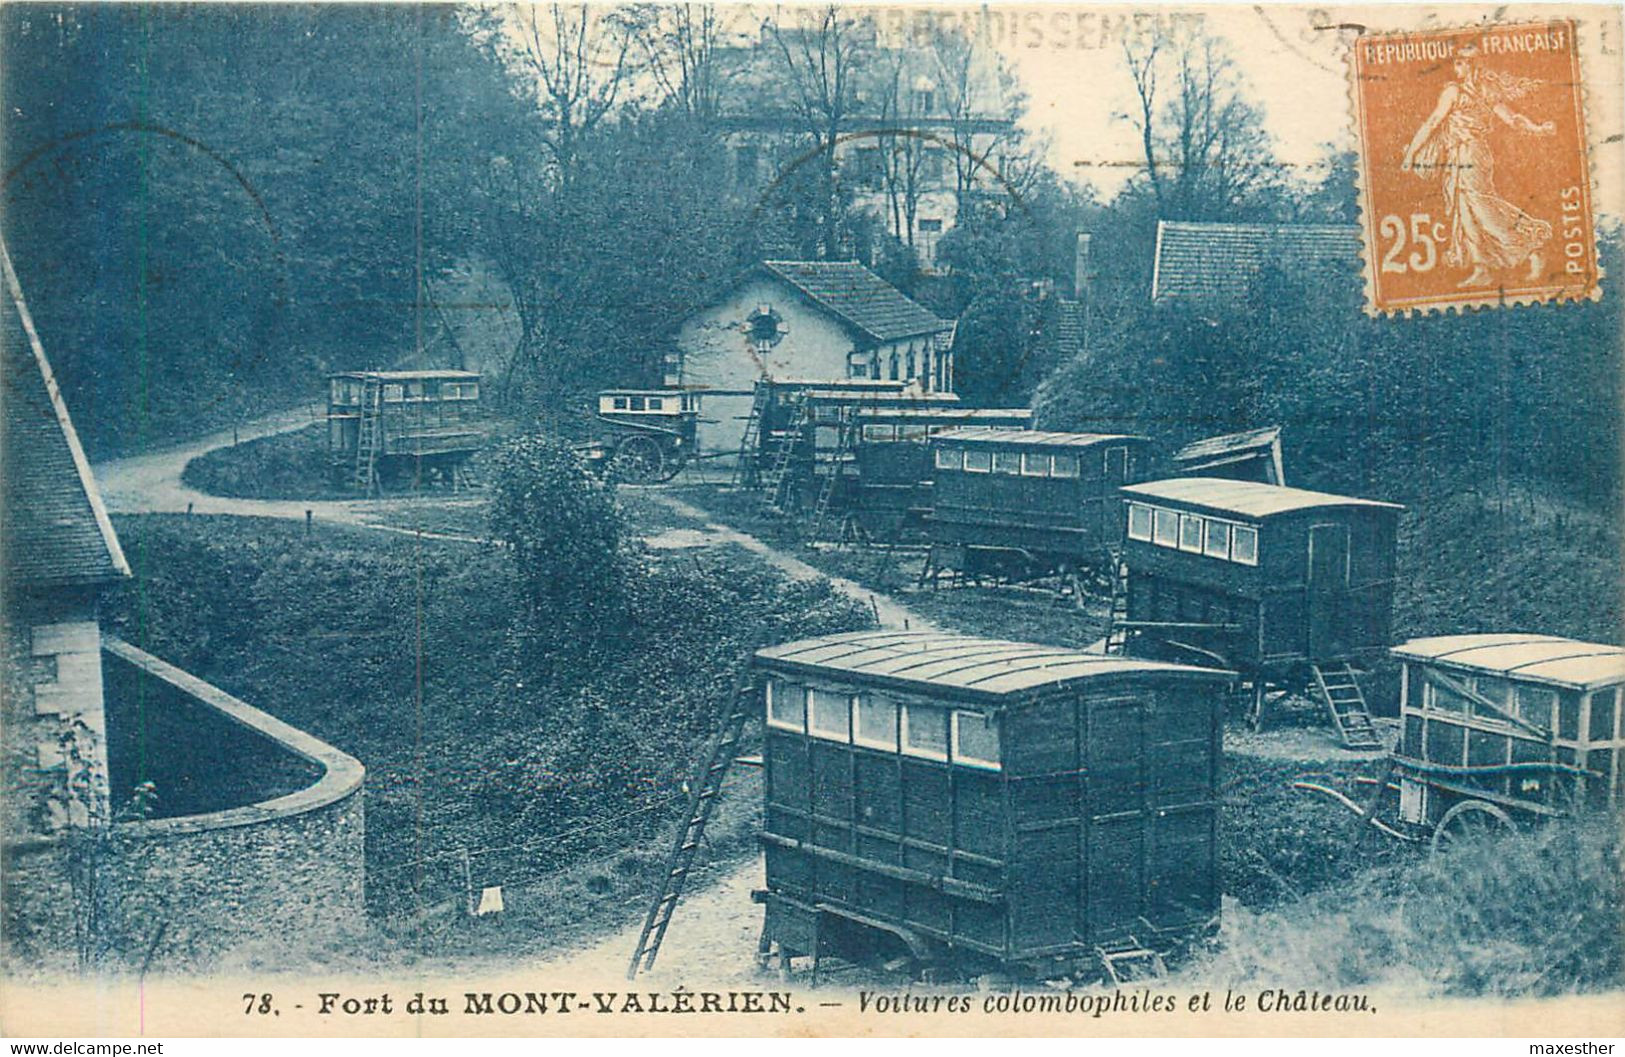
<point x="151" y="484"/>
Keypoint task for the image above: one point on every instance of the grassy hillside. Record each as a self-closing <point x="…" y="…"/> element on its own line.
<point x="398" y="652"/>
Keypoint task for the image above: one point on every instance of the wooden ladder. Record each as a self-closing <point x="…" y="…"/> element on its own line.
<point x="704" y="790"/>
<point x="826" y="489"/>
<point x="1130" y="960"/>
<point x="748" y="468"/>
<point x="1117" y="621"/>
<point x="369" y="435"/>
<point x="788" y="441"/>
<point x="1340" y="689"/>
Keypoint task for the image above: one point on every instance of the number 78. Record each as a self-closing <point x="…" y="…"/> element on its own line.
<point x="1423" y="232"/>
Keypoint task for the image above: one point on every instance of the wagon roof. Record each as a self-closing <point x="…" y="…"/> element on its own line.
<point x="850" y="396"/>
<point x="1246" y="498"/>
<point x="1537" y="658"/>
<point x="1032" y="438"/>
<point x="955" y="414"/>
<point x="411" y="376"/>
<point x="925" y="660"/>
<point x="1228" y="444"/>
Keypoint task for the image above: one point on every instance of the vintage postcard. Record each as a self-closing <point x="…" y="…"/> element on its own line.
<point x="813" y="520"/>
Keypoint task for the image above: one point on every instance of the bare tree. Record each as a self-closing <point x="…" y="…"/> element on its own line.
<point x="822" y="50"/>
<point x="679" y="44"/>
<point x="902" y="147"/>
<point x="1205" y="149"/>
<point x="980" y="100"/>
<point x="580" y="58"/>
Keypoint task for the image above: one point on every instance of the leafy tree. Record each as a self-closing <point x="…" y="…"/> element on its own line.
<point x="569" y="544"/>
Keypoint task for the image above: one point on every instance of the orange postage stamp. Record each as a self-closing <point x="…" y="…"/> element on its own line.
<point x="1475" y="181"/>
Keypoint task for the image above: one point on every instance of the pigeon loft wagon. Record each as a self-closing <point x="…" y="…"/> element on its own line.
<point x="645" y="435"/>
<point x="402" y="426"/>
<point x="1290" y="587"/>
<point x="1505" y="729"/>
<point x="1021" y="505"/>
<point x="972" y="803"/>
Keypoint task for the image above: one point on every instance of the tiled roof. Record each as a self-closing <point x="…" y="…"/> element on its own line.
<point x="860" y="298"/>
<point x="1207" y="261"/>
<point x="989" y="668"/>
<point x="55" y="529"/>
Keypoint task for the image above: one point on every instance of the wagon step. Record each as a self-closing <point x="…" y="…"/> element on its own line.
<point x="1339" y="688"/>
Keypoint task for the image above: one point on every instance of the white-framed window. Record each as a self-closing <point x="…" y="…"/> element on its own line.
<point x="875" y="725"/>
<point x="1034" y="464"/>
<point x="829" y="715"/>
<point x="925" y="732"/>
<point x="1190" y="533"/>
<point x="1064" y="465"/>
<point x="394" y="392"/>
<point x="786" y="705"/>
<point x="621" y="403"/>
<point x="657" y="403"/>
<point x="1139" y="522"/>
<point x="879" y="434"/>
<point x="976" y="740"/>
<point x="978" y="461"/>
<point x="637" y="403"/>
<point x="950" y="459"/>
<point x="911" y="431"/>
<point x="1007" y="462"/>
<point x="1217" y="543"/>
<point x="1244" y="545"/>
<point x="1165" y="528"/>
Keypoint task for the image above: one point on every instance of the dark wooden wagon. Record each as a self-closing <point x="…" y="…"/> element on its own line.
<point x="1021" y="505"/>
<point x="1292" y="588"/>
<point x="645" y="435"/>
<point x="1500" y="731"/>
<point x="402" y="426"/>
<point x="777" y="429"/>
<point x="980" y="803"/>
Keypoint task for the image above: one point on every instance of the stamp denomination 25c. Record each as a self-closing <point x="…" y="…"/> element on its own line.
<point x="1475" y="182"/>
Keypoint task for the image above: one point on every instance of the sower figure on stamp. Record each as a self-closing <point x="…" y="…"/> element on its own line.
<point x="1486" y="231"/>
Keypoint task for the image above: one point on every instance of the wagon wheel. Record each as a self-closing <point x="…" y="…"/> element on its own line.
<point x="673" y="466"/>
<point x="638" y="460"/>
<point x="1468" y="821"/>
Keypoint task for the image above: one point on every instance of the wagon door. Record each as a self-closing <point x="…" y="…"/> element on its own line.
<point x="1115" y="806"/>
<point x="1328" y="591"/>
<point x="1116" y="473"/>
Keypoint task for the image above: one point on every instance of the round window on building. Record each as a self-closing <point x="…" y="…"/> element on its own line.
<point x="765" y="327"/>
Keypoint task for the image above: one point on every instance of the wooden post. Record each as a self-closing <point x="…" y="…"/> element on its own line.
<point x="468" y="884"/>
<point x="189" y="509"/>
<point x="309" y="517"/>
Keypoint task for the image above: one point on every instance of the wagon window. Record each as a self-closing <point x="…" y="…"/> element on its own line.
<point x="1436" y="698"/>
<point x="976" y="740"/>
<point x="620" y="403"/>
<point x="1500" y="693"/>
<point x="925" y="732"/>
<point x="637" y="403"/>
<point x="1007" y="462"/>
<point x="1534" y="705"/>
<point x="1244" y="545"/>
<point x="1190" y="532"/>
<point x="978" y="461"/>
<point x="877" y="722"/>
<point x="950" y="459"/>
<point x="880" y="433"/>
<point x="1139" y="521"/>
<point x="657" y="403"/>
<point x="1034" y="464"/>
<point x="1217" y="544"/>
<point x="911" y="432"/>
<point x="1568" y="716"/>
<point x="829" y="715"/>
<point x="1064" y="466"/>
<point x="1602" y="714"/>
<point x="394" y="393"/>
<point x="1167" y="527"/>
<point x="786" y="705"/>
